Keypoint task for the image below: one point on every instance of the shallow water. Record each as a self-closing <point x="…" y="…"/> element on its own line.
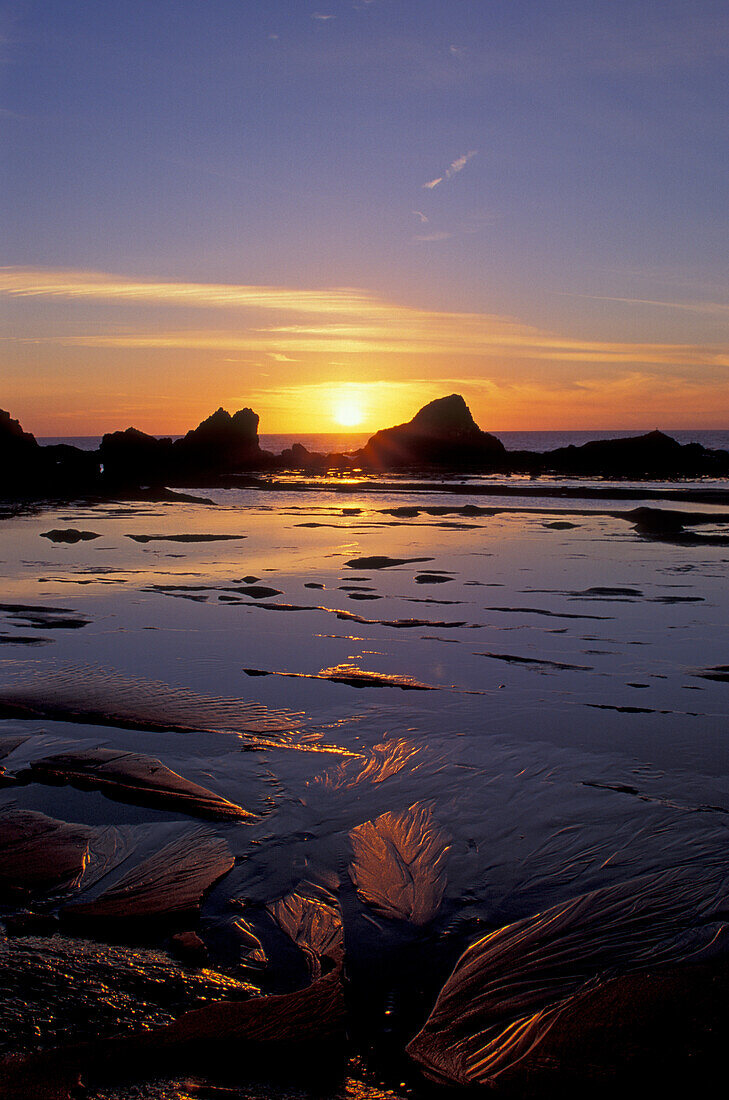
<point x="538" y="690"/>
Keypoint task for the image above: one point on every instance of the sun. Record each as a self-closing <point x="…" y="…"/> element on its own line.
<point x="347" y="411"/>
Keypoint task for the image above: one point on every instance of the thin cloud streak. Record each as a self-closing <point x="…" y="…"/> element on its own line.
<point x="440" y="339"/>
<point x="342" y="321"/>
<point x="100" y="286"/>
<point x="452" y="170"/>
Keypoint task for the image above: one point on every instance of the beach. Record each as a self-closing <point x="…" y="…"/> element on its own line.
<point x="417" y="715"/>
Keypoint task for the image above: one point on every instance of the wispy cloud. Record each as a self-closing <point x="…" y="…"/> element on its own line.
<point x="321" y="16"/>
<point x="460" y="163"/>
<point x="100" y="286"/>
<point x="452" y="170"/>
<point x="421" y="215"/>
<point x="286" y="322"/>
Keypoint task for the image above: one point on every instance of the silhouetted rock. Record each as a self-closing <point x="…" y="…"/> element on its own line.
<point x="654" y="454"/>
<point x="298" y="457"/>
<point x="69" y="534"/>
<point x="220" y="444"/>
<point x="21" y="459"/>
<point x="443" y="433"/>
<point x="223" y="450"/>
<point x="64" y="465"/>
<point x="132" y="456"/>
<point x="13" y="440"/>
<point x="29" y="471"/>
<point x="657" y="522"/>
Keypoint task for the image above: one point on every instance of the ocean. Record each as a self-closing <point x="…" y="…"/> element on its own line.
<point x="513" y="441"/>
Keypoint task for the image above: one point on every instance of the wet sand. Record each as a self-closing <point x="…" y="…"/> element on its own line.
<point x="318" y="745"/>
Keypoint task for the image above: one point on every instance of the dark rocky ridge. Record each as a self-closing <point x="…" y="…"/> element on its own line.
<point x="224" y="448"/>
<point x="443" y="433"/>
<point x="654" y="454"/>
<point x="220" y="444"/>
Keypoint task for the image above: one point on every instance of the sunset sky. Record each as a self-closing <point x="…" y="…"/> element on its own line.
<point x="336" y="211"/>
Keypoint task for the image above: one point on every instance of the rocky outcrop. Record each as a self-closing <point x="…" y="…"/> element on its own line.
<point x="14" y="442"/>
<point x="653" y="455"/>
<point x="443" y="433"/>
<point x="220" y="444"/>
<point x="134" y="456"/>
<point x="288" y="1037"/>
<point x="21" y="459"/>
<point x="298" y="457"/>
<point x="223" y="450"/>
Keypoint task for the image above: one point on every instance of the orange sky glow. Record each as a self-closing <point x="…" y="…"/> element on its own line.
<point x="94" y="351"/>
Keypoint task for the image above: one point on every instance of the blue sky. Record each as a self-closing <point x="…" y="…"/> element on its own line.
<point x="581" y="154"/>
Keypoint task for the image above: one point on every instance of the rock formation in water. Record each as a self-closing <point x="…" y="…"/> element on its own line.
<point x="224" y="448"/>
<point x="132" y="455"/>
<point x="28" y="470"/>
<point x="297" y="457"/>
<point x="442" y="433"/>
<point x="21" y="459"/>
<point x="221" y="444"/>
<point x="14" y="442"/>
<point x="651" y="455"/>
